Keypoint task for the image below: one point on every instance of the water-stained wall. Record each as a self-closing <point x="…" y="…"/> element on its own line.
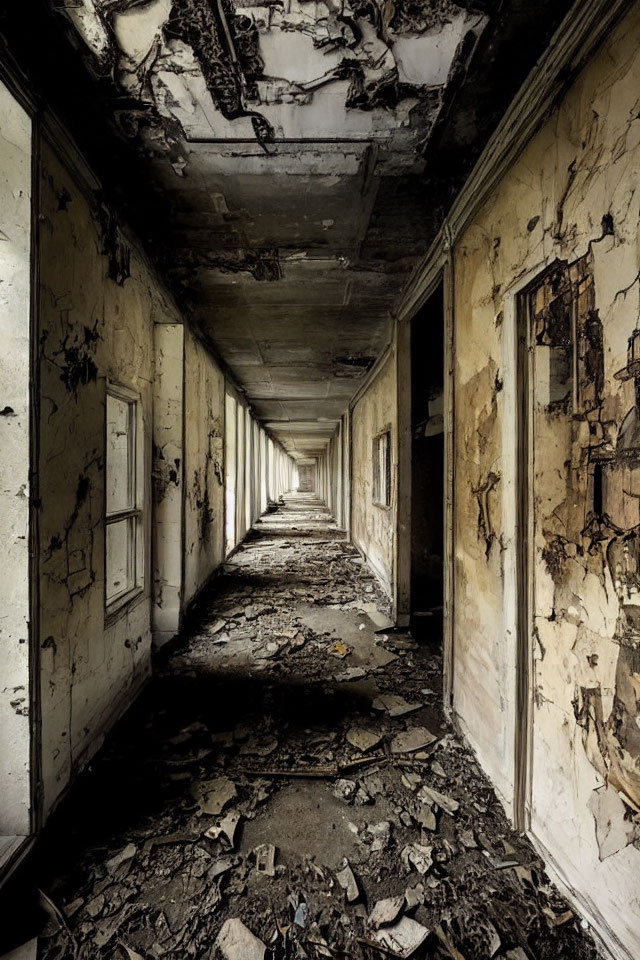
<point x="557" y="247"/>
<point x="204" y="466"/>
<point x="372" y="524"/>
<point x="98" y="301"/>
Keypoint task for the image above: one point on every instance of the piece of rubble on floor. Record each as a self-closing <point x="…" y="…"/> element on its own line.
<point x="389" y="839"/>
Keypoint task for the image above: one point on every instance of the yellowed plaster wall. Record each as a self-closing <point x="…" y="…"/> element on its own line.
<point x="92" y="328"/>
<point x="373" y="526"/>
<point x="583" y="166"/>
<point x="204" y="470"/>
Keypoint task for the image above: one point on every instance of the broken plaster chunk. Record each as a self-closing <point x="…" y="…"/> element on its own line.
<point x="467" y="839"/>
<point x="347" y="881"/>
<point x="385" y="912"/>
<point x="131" y="954"/>
<point x="362" y="797"/>
<point x="225" y="830"/>
<point x="363" y="740"/>
<point x="414" y="896"/>
<point x="345" y="790"/>
<point x="212" y="796"/>
<point x="412" y="739"/>
<point x="382" y="657"/>
<point x="411" y="781"/>
<point x="394" y="705"/>
<point x="351" y="673"/>
<point x="448" y="804"/>
<point x="426" y="817"/>
<point x="403" y="938"/>
<point x="70" y="909"/>
<point x="95" y="907"/>
<point x="419" y="856"/>
<point x="221" y="865"/>
<point x="121" y="858"/>
<point x="236" y="942"/>
<point x="265" y="855"/>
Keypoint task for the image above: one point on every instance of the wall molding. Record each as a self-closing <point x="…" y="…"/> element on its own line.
<point x="577" y="39"/>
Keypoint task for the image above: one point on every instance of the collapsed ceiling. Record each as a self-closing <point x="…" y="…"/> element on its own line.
<point x="288" y="152"/>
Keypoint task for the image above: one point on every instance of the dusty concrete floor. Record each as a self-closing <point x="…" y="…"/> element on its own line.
<point x="250" y="735"/>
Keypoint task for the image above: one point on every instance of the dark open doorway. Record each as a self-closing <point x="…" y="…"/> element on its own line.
<point x="427" y="467"/>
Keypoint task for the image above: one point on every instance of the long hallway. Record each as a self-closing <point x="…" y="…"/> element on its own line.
<point x="286" y="770"/>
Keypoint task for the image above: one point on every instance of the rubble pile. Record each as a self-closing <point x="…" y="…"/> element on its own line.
<point x="288" y="788"/>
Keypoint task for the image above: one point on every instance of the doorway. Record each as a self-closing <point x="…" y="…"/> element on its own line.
<point x="427" y="468"/>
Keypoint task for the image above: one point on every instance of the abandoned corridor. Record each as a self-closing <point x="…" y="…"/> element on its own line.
<point x="320" y="315"/>
<point x="285" y="715"/>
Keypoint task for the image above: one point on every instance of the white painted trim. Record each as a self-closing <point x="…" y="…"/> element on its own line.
<point x="510" y="498"/>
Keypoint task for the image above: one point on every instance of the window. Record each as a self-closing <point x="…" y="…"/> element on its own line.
<point x="570" y="368"/>
<point x="382" y="469"/>
<point x="124" y="542"/>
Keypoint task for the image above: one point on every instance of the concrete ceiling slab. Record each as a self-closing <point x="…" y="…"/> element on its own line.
<point x="288" y="163"/>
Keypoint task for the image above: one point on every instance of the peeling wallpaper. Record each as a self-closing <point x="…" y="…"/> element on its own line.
<point x="564" y="220"/>
<point x="98" y="301"/>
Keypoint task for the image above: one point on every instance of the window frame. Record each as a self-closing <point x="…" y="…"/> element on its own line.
<point x="382" y="482"/>
<point x="133" y="515"/>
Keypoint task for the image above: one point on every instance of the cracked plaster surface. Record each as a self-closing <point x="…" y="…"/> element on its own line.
<point x="570" y="207"/>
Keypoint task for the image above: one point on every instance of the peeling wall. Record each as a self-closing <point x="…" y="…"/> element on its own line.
<point x="559" y="236"/>
<point x="307" y="480"/>
<point x="204" y="466"/>
<point x="372" y="526"/>
<point x="168" y="479"/>
<point x="15" y="320"/>
<point x="98" y="300"/>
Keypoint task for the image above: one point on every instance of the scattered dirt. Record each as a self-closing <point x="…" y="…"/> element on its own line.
<point x="248" y="699"/>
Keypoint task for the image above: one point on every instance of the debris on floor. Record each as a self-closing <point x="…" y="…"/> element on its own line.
<point x="236" y="942"/>
<point x="263" y="801"/>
